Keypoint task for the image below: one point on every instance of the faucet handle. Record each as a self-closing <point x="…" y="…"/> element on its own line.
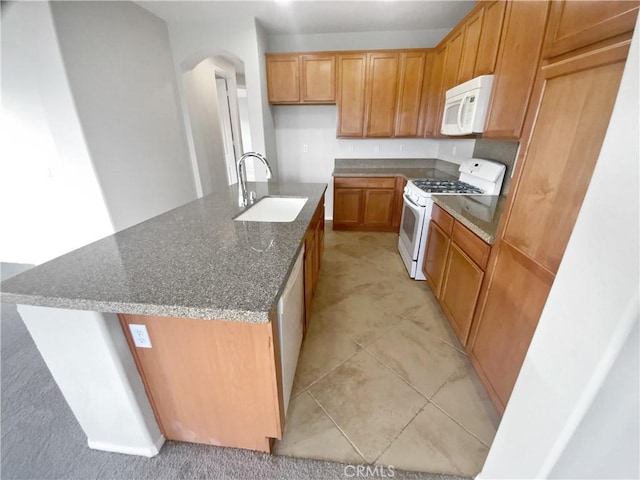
<point x="252" y="197"/>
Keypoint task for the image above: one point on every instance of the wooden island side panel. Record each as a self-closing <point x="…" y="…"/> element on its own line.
<point x="212" y="381"/>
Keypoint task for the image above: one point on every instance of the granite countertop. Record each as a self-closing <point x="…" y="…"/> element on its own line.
<point x="194" y="261"/>
<point x="479" y="213"/>
<point x="404" y="167"/>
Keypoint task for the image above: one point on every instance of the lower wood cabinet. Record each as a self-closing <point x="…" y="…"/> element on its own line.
<point x="367" y="203"/>
<point x="454" y="264"/>
<point x="314" y="249"/>
<point x="435" y="257"/>
<point x="460" y="289"/>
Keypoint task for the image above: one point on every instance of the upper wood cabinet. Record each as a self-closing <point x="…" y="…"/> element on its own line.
<point x="409" y="104"/>
<point x="489" y="38"/>
<point x="283" y="78"/>
<point x="294" y="78"/>
<point x="518" y="57"/>
<point x="565" y="129"/>
<point x="571" y="122"/>
<point x="472" y="32"/>
<point x="382" y="93"/>
<point x="574" y="24"/>
<point x="352" y="72"/>
<point x="318" y="73"/>
<point x="433" y="92"/>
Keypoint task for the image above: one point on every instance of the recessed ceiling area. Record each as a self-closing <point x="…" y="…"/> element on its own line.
<point x="312" y="17"/>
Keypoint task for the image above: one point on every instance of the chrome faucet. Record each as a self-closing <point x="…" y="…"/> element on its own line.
<point x="243" y="198"/>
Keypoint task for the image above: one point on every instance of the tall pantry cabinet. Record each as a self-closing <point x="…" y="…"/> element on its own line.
<point x="584" y="54"/>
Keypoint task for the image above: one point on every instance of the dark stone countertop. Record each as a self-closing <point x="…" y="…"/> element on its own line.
<point x="193" y="261"/>
<point x="479" y="213"/>
<point x="404" y="167"/>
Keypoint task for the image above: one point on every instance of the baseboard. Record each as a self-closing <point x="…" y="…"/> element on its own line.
<point x="150" y="451"/>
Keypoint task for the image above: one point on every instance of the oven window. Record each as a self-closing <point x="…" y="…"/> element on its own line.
<point x="409" y="223"/>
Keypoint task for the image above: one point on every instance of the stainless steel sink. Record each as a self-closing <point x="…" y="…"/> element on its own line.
<point x="273" y="209"/>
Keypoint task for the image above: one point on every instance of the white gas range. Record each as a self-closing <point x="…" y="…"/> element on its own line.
<point x="477" y="177"/>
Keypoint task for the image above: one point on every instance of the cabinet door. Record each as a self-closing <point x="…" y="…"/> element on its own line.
<point x="382" y="92"/>
<point x="460" y="290"/>
<point x="517" y="294"/>
<point x="520" y="50"/>
<point x="283" y="78"/>
<point x="410" y="93"/>
<point x="352" y="71"/>
<point x="398" y="202"/>
<point x="435" y="94"/>
<point x="472" y="32"/>
<point x="489" y="38"/>
<point x="452" y="64"/>
<point x="568" y="125"/>
<point x="435" y="257"/>
<point x="378" y="208"/>
<point x="572" y="119"/>
<point x="347" y="206"/>
<point x="450" y="73"/>
<point x="318" y="78"/>
<point x="577" y="24"/>
<point x="309" y="270"/>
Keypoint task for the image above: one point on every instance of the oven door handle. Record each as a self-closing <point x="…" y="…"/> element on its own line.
<point x="411" y="204"/>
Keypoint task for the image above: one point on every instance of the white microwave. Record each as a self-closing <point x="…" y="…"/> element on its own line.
<point x="465" y="107"/>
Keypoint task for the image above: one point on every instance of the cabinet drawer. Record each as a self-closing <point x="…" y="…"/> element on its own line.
<point x="365" y="182"/>
<point x="442" y="218"/>
<point x="471" y="244"/>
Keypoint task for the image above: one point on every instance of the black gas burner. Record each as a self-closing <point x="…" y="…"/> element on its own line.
<point x="446" y="186"/>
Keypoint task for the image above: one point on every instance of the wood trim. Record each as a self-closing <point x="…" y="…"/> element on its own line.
<point x="136" y="359"/>
<point x="364" y="182"/>
<point x="624" y="21"/>
<point x="595" y="57"/>
<point x="279" y="412"/>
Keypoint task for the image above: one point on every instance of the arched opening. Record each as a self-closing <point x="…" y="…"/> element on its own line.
<point x="218" y="127"/>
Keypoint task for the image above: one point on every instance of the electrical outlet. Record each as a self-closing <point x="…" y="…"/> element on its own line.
<point x="377" y="148"/>
<point x="350" y="148"/>
<point x="140" y="335"/>
<point x="454" y="150"/>
<point x="402" y="147"/>
<point x="305" y="148"/>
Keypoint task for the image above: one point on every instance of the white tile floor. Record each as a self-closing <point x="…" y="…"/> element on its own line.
<point x="382" y="378"/>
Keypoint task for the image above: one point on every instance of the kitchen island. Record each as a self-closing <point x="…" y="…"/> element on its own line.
<point x="206" y="288"/>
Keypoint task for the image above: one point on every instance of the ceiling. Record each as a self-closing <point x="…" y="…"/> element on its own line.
<point x="308" y="17"/>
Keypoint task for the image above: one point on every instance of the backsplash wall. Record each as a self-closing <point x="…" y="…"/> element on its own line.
<point x="503" y="152"/>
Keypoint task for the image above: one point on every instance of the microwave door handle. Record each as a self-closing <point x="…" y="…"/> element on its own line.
<point x="462" y="106"/>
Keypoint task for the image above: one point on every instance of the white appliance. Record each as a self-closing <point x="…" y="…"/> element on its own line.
<point x="466" y="105"/>
<point x="291" y="326"/>
<point x="477" y="177"/>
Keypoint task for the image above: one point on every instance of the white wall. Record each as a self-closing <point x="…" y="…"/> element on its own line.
<point x="202" y="101"/>
<point x="88" y="356"/>
<point x="50" y="200"/>
<point x="314" y="126"/>
<point x="193" y="42"/>
<point x="118" y="61"/>
<point x="357" y="40"/>
<point x="589" y="315"/>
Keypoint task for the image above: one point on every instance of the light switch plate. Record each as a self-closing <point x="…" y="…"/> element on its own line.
<point x="140" y="335"/>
